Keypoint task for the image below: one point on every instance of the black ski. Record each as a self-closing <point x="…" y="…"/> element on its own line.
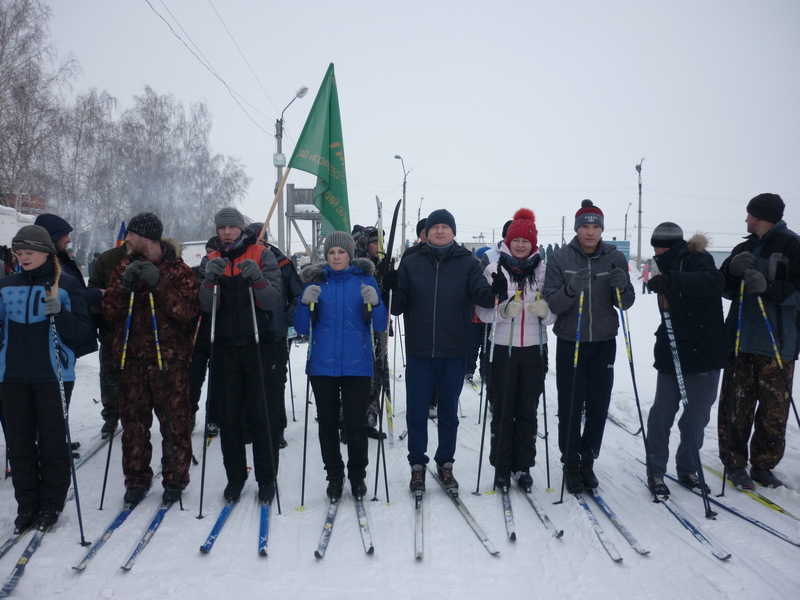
<point x="327" y="529"/>
<point x="419" y="542"/>
<point x="508" y="513"/>
<point x="537" y="508"/>
<point x="363" y="525"/>
<point x="19" y="568"/>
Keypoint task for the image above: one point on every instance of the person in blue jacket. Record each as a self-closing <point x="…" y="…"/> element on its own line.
<point x="30" y="371"/>
<point x="341" y="364"/>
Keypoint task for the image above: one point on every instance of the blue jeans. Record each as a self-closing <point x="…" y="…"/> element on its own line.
<point x="422" y="375"/>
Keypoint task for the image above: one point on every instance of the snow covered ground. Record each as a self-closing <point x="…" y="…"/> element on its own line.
<point x="455" y="564"/>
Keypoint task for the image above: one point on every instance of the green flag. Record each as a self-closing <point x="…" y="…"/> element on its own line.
<point x="320" y="151"/>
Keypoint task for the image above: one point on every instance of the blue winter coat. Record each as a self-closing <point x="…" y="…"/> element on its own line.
<point x="27" y="351"/>
<point x="341" y="341"/>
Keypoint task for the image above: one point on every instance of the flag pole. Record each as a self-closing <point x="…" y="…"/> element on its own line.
<point x="274" y="204"/>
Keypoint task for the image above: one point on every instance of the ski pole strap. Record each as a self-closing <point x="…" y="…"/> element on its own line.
<point x="313" y="316"/>
<point x="625" y="332"/>
<point x="578" y="330"/>
<point x="155" y="331"/>
<point x="739" y="320"/>
<point x="769" y="329"/>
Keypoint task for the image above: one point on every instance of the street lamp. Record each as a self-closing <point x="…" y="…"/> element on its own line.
<point x="405" y="176"/>
<point x="626" y="220"/>
<point x="639" y="243"/>
<point x="279" y="161"/>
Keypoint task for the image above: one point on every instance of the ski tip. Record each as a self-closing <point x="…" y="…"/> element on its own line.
<point x="513" y="536"/>
<point x="263" y="552"/>
<point x="558" y="533"/>
<point x="371" y="550"/>
<point x="318" y="554"/>
<point x="204" y="550"/>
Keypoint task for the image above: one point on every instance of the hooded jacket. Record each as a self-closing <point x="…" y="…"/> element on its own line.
<point x="340" y="336"/>
<point x="694" y="302"/>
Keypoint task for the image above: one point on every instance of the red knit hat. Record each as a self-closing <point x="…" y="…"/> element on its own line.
<point x="523" y="226"/>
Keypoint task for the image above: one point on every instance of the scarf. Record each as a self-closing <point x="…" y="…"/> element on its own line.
<point x="522" y="271"/>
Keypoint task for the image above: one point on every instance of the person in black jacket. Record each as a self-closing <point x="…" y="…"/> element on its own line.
<point x="435" y="291"/>
<point x="691" y="286"/>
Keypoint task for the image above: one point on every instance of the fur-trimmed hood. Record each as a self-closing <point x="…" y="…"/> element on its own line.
<point x="317" y="273"/>
<point x="698" y="242"/>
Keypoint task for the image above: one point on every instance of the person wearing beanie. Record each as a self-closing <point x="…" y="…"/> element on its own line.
<point x="493" y="254"/>
<point x="32" y="370"/>
<point x="517" y="372"/>
<point x="691" y="285"/>
<point x="755" y="399"/>
<point x="422" y="239"/>
<point x="341" y="360"/>
<point x="247" y="279"/>
<point x="435" y="290"/>
<point x="586" y="282"/>
<point x="164" y="293"/>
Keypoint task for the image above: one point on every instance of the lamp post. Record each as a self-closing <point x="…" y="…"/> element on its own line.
<point x="405" y="176"/>
<point x="419" y="210"/>
<point x="639" y="243"/>
<point x="279" y="161"/>
<point x="626" y="221"/>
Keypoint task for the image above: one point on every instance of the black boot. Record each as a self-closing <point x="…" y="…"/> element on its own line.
<point x="573" y="479"/>
<point x="24" y="519"/>
<point x="48" y="518"/>
<point x="334" y="490"/>
<point x="358" y="487"/>
<point x="233" y="490"/>
<point x="134" y="495"/>
<point x="266" y="491"/>
<point x="658" y="488"/>
<point x="587" y="474"/>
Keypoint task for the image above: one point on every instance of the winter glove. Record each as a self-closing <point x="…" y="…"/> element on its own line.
<point x="150" y="274"/>
<point x="755" y="282"/>
<point x="311" y="295"/>
<point x="389" y="281"/>
<point x="250" y="270"/>
<point x="132" y="272"/>
<point x="369" y="295"/>
<point x="617" y="278"/>
<point x="52" y="305"/>
<point x="659" y="284"/>
<point x="511" y="309"/>
<point x="215" y="268"/>
<point x="580" y="281"/>
<point x="499" y="283"/>
<point x="538" y="308"/>
<point x="741" y="263"/>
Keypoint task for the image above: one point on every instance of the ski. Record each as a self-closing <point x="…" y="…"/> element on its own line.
<point x="601" y="535"/>
<point x="622" y="425"/>
<point x="19" y="568"/>
<point x="537" y="508"/>
<point x="676" y="511"/>
<point x="218" y="525"/>
<point x="12" y="541"/>
<point x="473" y="384"/>
<point x="95" y="448"/>
<point x="363" y="525"/>
<point x="508" y="514"/>
<point x="127" y="509"/>
<point x="418" y="534"/>
<point x="755" y="495"/>
<point x="453" y="495"/>
<point x="740" y="514"/>
<point x="617" y="523"/>
<point x="263" y="528"/>
<point x="151" y="530"/>
<point x="327" y="529"/>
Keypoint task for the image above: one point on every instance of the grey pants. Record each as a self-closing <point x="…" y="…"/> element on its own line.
<point x="701" y="391"/>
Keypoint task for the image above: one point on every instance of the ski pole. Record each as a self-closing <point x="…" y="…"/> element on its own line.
<point x="64" y="410"/>
<point x="576" y="355"/>
<point x="732" y="389"/>
<point x="548" y="489"/>
<point x="385" y="360"/>
<point x="664" y="305"/>
<point x="483" y="350"/>
<point x="270" y="445"/>
<point x="119" y="389"/>
<point x="291" y="385"/>
<point x="381" y="450"/>
<point x="311" y="317"/>
<point x="486" y="404"/>
<point x="163" y="381"/>
<point x="208" y="394"/>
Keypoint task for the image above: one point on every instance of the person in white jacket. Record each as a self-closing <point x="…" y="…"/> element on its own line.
<point x="520" y="353"/>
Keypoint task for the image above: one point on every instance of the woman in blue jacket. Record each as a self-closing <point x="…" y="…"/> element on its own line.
<point x="29" y="373"/>
<point x="341" y="365"/>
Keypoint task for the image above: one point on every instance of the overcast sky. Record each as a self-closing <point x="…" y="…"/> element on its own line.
<point x="493" y="106"/>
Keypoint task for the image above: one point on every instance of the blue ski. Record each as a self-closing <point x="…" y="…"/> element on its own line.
<point x="617" y="523"/>
<point x="215" y="531"/>
<point x="19" y="568"/>
<point x="327" y="529"/>
<point x="154" y="524"/>
<point x="127" y="509"/>
<point x="263" y="531"/>
<point x="601" y="535"/>
<point x="537" y="508"/>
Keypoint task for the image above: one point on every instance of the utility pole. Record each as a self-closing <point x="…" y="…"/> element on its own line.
<point x="563" y="224"/>
<point x="639" y="243"/>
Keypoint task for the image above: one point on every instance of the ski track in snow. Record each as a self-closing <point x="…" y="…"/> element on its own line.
<point x="455" y="564"/>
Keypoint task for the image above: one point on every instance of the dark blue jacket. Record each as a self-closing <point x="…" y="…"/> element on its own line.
<point x="27" y="351"/>
<point x="436" y="300"/>
<point x="341" y="341"/>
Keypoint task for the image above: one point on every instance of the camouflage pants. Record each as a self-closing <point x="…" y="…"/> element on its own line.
<point x="760" y="403"/>
<point x="141" y="395"/>
<point x="109" y="383"/>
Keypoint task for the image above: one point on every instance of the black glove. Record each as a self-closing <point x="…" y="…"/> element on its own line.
<point x="150" y="274"/>
<point x="659" y="284"/>
<point x="389" y="281"/>
<point x="741" y="263"/>
<point x="499" y="283"/>
<point x="580" y="281"/>
<point x="755" y="282"/>
<point x="251" y="271"/>
<point x="132" y="271"/>
<point x="215" y="268"/>
<point x="617" y="278"/>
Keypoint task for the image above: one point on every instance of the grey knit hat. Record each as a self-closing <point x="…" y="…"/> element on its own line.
<point x="147" y="225"/>
<point x="229" y="216"/>
<point x="339" y="239"/>
<point x="33" y="237"/>
<point x="666" y="235"/>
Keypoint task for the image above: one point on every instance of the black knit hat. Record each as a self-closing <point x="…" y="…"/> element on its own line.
<point x="147" y="225"/>
<point x="438" y="217"/>
<point x="421" y="226"/>
<point x="767" y="207"/>
<point x="33" y="237"/>
<point x="56" y="226"/>
<point x="666" y="235"/>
